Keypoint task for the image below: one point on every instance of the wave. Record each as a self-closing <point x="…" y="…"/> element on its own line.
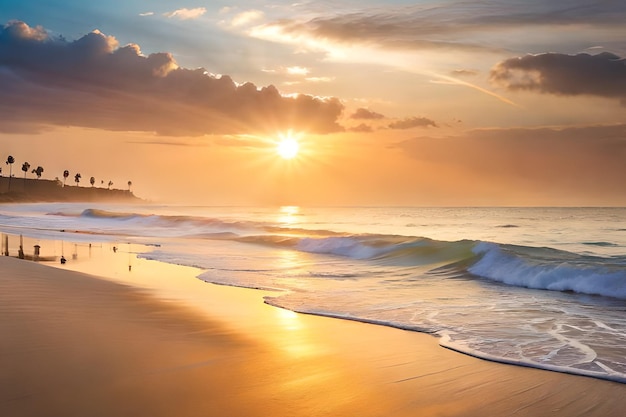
<point x="104" y="214"/>
<point x="190" y="226"/>
<point x="602" y="244"/>
<point x="550" y="269"/>
<point x="521" y="266"/>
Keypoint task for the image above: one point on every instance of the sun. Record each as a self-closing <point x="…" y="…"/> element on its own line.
<point x="287" y="147"/>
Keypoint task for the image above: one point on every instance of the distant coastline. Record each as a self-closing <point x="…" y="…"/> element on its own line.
<point x="27" y="190"/>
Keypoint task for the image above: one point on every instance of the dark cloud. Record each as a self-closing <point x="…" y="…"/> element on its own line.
<point x="601" y="75"/>
<point x="411" y="122"/>
<point x="92" y="82"/>
<point x="366" y="114"/>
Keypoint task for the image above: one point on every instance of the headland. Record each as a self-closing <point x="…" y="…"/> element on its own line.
<point x="28" y="190"/>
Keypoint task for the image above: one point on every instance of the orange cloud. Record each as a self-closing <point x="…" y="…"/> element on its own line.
<point x="366" y="114"/>
<point x="411" y="122"/>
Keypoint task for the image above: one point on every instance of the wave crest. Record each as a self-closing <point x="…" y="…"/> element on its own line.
<point x="548" y="269"/>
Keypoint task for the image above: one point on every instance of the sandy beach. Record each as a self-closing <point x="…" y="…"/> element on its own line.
<point x="111" y="335"/>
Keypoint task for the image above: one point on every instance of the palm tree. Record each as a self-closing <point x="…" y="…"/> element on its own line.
<point x="92" y="181"/>
<point x="130" y="183"/>
<point x="66" y="174"/>
<point x="38" y="171"/>
<point x="10" y="161"/>
<point x="110" y="184"/>
<point x="77" y="179"/>
<point x="25" y="168"/>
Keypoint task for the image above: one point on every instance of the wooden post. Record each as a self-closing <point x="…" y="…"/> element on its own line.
<point x="20" y="252"/>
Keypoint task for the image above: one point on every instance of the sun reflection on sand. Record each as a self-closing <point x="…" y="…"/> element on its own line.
<point x="288" y="319"/>
<point x="298" y="343"/>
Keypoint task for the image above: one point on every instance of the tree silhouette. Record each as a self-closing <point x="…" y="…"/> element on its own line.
<point x="38" y="171"/>
<point x="77" y="179"/>
<point x="25" y="168"/>
<point x="92" y="181"/>
<point x="66" y="174"/>
<point x="10" y="161"/>
<point x="110" y="184"/>
<point x="130" y="183"/>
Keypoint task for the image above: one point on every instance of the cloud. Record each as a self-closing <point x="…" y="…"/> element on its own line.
<point x="411" y="122"/>
<point x="366" y="114"/>
<point x="21" y="30"/>
<point x="146" y="14"/>
<point x="362" y="128"/>
<point x="458" y="25"/>
<point x="186" y="14"/>
<point x="351" y="30"/>
<point x="92" y="82"/>
<point x="247" y="17"/>
<point x="297" y="70"/>
<point x="464" y="73"/>
<point x="563" y="162"/>
<point x="319" y="79"/>
<point x="402" y="124"/>
<point x="602" y="75"/>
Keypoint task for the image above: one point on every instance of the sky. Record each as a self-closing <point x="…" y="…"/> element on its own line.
<point x="395" y="103"/>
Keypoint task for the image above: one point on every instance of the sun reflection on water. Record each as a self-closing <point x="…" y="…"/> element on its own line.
<point x="288" y="215"/>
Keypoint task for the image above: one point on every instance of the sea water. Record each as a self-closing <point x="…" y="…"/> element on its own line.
<point x="540" y="287"/>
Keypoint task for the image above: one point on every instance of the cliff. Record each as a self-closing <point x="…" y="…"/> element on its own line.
<point x="39" y="190"/>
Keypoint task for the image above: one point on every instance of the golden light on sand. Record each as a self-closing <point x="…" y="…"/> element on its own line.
<point x="287" y="147"/>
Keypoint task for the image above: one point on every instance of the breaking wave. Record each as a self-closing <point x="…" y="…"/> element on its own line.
<point x="521" y="266"/>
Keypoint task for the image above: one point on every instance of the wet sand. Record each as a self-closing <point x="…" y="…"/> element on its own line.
<point x="140" y="338"/>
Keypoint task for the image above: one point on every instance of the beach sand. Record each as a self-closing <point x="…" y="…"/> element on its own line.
<point x="140" y="338"/>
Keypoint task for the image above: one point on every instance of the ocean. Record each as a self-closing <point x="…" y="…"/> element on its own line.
<point x="538" y="287"/>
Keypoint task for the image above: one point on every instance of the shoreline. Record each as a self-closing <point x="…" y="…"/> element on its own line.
<point x="263" y="360"/>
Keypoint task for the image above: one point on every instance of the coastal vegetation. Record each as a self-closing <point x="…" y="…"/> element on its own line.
<point x="37" y="189"/>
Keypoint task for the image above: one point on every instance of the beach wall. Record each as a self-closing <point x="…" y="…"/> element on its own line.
<point x="41" y="190"/>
